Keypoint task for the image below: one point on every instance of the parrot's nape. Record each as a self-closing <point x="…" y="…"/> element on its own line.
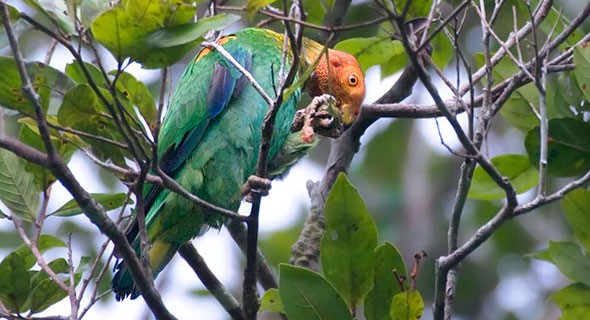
<point x="210" y="136"/>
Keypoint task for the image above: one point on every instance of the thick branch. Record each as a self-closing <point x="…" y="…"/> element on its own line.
<point x="97" y="216"/>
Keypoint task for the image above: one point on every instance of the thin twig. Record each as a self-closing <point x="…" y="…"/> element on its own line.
<point x="277" y="15"/>
<point x="443" y="24"/>
<point x="160" y="179"/>
<point x="72" y="288"/>
<point x="250" y="299"/>
<point x="37" y="253"/>
<point x="540" y="13"/>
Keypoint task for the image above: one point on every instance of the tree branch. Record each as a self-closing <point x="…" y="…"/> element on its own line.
<point x="239" y="233"/>
<point x="210" y="281"/>
<point x="92" y="209"/>
<point x="250" y="297"/>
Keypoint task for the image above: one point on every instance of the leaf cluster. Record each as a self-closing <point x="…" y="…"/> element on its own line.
<point x="568" y="103"/>
<point x="356" y="271"/>
<point x="23" y="288"/>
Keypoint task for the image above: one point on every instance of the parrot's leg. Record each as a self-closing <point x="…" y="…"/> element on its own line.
<point x="255" y="184"/>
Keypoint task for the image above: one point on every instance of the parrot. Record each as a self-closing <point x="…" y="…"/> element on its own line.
<point x="211" y="133"/>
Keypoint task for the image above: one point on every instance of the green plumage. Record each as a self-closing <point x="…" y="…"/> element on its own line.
<point x="209" y="144"/>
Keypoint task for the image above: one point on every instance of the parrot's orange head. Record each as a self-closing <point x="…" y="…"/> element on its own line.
<point x="340" y="76"/>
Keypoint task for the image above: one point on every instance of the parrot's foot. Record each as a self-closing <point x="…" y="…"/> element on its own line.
<point x="255" y="184"/>
<point x="321" y="116"/>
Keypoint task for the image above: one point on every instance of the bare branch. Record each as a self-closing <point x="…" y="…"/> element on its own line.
<point x="540" y="14"/>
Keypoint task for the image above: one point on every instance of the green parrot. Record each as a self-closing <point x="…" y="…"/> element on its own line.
<point x="211" y="134"/>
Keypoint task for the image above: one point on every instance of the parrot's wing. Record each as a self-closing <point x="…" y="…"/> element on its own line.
<point x="192" y="108"/>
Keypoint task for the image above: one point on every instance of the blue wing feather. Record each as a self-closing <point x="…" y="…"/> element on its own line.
<point x="222" y="88"/>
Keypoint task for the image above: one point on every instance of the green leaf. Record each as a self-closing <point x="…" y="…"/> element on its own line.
<point x="47" y="82"/>
<point x="442" y="50"/>
<point x="56" y="11"/>
<point x="570" y="260"/>
<point x="84" y="264"/>
<point x="155" y="33"/>
<point x="407" y="305"/>
<point x="564" y="94"/>
<point x="348" y="243"/>
<point x="187" y="33"/>
<point x="44" y="243"/>
<point x="122" y="29"/>
<point x="138" y="94"/>
<point x="555" y="22"/>
<point x="45" y="292"/>
<point x="254" y="5"/>
<point x="516" y="168"/>
<point x="569" y="147"/>
<point x="108" y="201"/>
<point x="372" y="51"/>
<point x="91" y="9"/>
<point x="271" y="301"/>
<point x="167" y="46"/>
<point x="82" y="110"/>
<point x="17" y="187"/>
<point x="582" y="70"/>
<point x="19" y="26"/>
<point x="543" y="255"/>
<point x="573" y="300"/>
<point x="417" y="9"/>
<point x="385" y="285"/>
<point x="75" y="71"/>
<point x="576" y="207"/>
<point x="307" y="295"/>
<point x="29" y="134"/>
<point x="59" y="265"/>
<point x="315" y="11"/>
<point x="517" y="110"/>
<point x="14" y="282"/>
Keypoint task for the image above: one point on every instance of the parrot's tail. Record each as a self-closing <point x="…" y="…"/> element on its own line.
<point x="159" y="253"/>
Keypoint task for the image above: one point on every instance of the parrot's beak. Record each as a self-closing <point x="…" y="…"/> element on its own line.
<point x="349" y="114"/>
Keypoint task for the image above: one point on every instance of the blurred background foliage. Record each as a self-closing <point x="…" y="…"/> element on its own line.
<point x="407" y="178"/>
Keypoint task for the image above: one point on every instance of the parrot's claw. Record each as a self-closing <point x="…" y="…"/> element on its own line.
<point x="255" y="184"/>
<point x="321" y="116"/>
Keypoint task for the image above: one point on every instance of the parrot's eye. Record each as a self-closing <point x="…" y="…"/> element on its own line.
<point x="353" y="80"/>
